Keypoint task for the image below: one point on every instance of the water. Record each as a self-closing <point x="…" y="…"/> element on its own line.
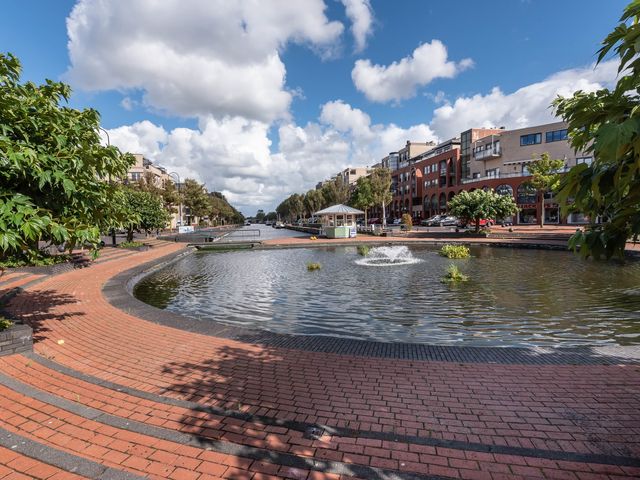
<point x="513" y="297"/>
<point x="388" y="257"/>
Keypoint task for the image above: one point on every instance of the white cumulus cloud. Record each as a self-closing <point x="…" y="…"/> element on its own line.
<point x="401" y="79"/>
<point x="526" y="106"/>
<point x="212" y="57"/>
<point x="361" y="15"/>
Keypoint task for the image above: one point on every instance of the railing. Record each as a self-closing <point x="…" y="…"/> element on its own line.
<point x="491" y="153"/>
<point x="494" y="176"/>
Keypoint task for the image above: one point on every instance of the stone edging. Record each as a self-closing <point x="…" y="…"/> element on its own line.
<point x="18" y="338"/>
<point x="118" y="292"/>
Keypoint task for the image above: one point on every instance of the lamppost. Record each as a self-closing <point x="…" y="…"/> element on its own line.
<point x="180" y="198"/>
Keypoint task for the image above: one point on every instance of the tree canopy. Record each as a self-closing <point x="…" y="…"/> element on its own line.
<point x="545" y="176"/>
<point x="480" y="204"/>
<point x="606" y="124"/>
<point x="54" y="173"/>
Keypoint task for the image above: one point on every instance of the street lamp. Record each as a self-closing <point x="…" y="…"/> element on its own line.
<point x="180" y="198"/>
<point x="107" y="134"/>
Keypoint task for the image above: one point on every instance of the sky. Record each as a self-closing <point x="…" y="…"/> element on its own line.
<point x="259" y="99"/>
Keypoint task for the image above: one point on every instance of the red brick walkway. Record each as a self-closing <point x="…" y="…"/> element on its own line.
<point x="410" y="417"/>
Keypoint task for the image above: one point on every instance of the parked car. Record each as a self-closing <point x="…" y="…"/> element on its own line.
<point x="432" y="221"/>
<point x="448" y="221"/>
<point x="375" y="221"/>
<point x="484" y="223"/>
<point x="397" y="221"/>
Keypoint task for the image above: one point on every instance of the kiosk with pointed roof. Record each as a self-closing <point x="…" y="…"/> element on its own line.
<point x="339" y="221"/>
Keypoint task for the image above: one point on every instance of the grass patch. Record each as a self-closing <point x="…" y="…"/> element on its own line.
<point x="363" y="250"/>
<point x="454" y="251"/>
<point x="313" y="266"/>
<point x="4" y="323"/>
<point x="454" y="275"/>
<point x="131" y="245"/>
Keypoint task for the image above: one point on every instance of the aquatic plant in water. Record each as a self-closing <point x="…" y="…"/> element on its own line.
<point x="363" y="250"/>
<point x="313" y="266"/>
<point x="454" y="251"/>
<point x="454" y="275"/>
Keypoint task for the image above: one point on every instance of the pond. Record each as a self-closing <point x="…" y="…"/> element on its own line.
<point x="512" y="298"/>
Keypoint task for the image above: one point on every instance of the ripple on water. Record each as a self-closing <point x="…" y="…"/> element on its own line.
<point x="513" y="297"/>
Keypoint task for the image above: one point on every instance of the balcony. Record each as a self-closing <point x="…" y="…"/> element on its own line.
<point x="489" y="153"/>
<point x="494" y="176"/>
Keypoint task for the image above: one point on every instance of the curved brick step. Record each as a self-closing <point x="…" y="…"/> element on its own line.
<point x="21" y="467"/>
<point x="254" y="430"/>
<point x="329" y="453"/>
<point x="22" y="459"/>
<point x="156" y="452"/>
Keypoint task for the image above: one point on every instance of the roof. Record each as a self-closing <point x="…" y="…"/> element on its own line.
<point x="338" y="209"/>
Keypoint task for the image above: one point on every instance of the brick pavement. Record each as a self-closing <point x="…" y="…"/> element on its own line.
<point x="250" y="403"/>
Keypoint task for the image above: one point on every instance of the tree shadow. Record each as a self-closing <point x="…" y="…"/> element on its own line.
<point x="36" y="309"/>
<point x="260" y="385"/>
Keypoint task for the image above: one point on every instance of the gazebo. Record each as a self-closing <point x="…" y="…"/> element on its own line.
<point x="339" y="221"/>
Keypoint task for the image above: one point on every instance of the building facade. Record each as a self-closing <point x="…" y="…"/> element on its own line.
<point x="488" y="158"/>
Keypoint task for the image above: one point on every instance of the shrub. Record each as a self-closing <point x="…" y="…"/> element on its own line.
<point x="313" y="266"/>
<point x="363" y="250"/>
<point x="454" y="251"/>
<point x="42" y="260"/>
<point x="4" y="323"/>
<point x="131" y="245"/>
<point x="454" y="275"/>
<point x="407" y="221"/>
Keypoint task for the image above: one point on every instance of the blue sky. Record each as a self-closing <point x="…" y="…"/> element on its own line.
<point x="259" y="104"/>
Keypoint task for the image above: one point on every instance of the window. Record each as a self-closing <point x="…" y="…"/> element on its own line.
<point x="504" y="190"/>
<point x="587" y="160"/>
<point x="555" y="136"/>
<point x="531" y="139"/>
<point x="136" y="176"/>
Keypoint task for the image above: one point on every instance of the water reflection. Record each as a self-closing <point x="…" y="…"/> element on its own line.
<point x="514" y="297"/>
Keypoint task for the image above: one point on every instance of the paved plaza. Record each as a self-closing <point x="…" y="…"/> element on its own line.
<point x="107" y="394"/>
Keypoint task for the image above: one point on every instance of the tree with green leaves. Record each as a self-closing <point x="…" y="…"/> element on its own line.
<point x="380" y="180"/>
<point x="54" y="174"/>
<point x="362" y="197"/>
<point x="195" y="198"/>
<point x="606" y="124"/>
<point x="480" y="204"/>
<point x="313" y="201"/>
<point x="335" y="191"/>
<point x="545" y="176"/>
<point x="271" y="216"/>
<point x="147" y="212"/>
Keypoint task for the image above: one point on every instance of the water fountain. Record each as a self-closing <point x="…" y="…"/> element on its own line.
<point x="386" y="256"/>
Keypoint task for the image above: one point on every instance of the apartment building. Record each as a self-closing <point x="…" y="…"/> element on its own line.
<point x="145" y="168"/>
<point x="499" y="161"/>
<point x="351" y="175"/>
<point x="495" y="158"/>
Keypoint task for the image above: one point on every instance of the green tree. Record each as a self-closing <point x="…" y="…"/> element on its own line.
<point x="260" y="216"/>
<point x="147" y="212"/>
<point x="380" y="180"/>
<point x="545" y="176"/>
<point x="196" y="199"/>
<point x="363" y="196"/>
<point x="170" y="196"/>
<point x="271" y="216"/>
<point x="54" y="173"/>
<point x="335" y="192"/>
<point x="606" y="123"/>
<point x="479" y="204"/>
<point x="313" y="201"/>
